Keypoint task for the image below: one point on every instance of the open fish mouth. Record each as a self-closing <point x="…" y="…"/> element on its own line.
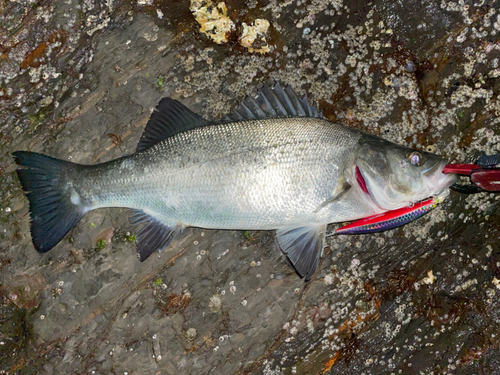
<point x="430" y="171"/>
<point x="438" y="179"/>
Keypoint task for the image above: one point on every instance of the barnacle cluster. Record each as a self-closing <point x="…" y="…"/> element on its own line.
<point x="417" y="74"/>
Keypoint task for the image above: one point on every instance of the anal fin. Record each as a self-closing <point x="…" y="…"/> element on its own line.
<point x="303" y="246"/>
<point x="153" y="234"/>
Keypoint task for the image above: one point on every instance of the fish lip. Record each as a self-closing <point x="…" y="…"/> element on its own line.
<point x="445" y="180"/>
<point x="428" y="172"/>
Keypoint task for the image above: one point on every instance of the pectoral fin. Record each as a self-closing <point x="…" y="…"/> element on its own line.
<point x="303" y="246"/>
<point x="336" y="195"/>
<point x="153" y="234"/>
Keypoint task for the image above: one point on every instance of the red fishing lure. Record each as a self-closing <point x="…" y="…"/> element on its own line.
<point x="390" y="219"/>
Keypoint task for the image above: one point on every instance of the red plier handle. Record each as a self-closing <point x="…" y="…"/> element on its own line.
<point x="484" y="175"/>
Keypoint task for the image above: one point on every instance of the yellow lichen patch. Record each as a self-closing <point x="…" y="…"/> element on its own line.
<point x="253" y="37"/>
<point x="213" y="19"/>
<point x="429" y="279"/>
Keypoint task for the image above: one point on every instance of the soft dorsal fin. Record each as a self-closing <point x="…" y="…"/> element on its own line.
<point x="169" y="118"/>
<point x="273" y="102"/>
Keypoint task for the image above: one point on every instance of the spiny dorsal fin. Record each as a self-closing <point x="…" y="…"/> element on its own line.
<point x="169" y="118"/>
<point x="273" y="102"/>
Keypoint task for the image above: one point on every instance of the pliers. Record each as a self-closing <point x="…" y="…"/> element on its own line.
<point x="484" y="175"/>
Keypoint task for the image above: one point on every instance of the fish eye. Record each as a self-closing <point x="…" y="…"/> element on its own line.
<point x="416" y="158"/>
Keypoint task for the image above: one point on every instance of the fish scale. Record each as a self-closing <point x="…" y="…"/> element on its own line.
<point x="272" y="163"/>
<point x="237" y="179"/>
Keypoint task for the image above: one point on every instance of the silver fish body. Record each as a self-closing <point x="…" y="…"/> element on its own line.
<point x="256" y="175"/>
<point x="274" y="163"/>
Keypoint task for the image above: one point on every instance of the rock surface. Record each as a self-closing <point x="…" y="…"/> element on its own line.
<point x="78" y="81"/>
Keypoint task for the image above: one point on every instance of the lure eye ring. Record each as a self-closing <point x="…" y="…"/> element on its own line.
<point x="416" y="158"/>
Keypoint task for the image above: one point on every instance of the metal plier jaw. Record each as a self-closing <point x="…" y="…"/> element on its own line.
<point x="484" y="175"/>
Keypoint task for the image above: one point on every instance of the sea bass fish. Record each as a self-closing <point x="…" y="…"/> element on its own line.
<point x="274" y="163"/>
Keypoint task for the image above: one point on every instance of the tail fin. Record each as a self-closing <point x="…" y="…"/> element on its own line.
<point x="53" y="211"/>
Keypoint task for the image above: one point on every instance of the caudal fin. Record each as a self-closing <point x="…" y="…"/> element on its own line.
<point x="52" y="209"/>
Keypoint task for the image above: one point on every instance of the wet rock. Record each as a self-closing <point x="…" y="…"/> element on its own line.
<point x="79" y="81"/>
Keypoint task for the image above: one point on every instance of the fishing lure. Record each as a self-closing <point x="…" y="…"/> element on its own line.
<point x="390" y="219"/>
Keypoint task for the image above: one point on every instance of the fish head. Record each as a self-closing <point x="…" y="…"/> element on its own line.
<point x="395" y="176"/>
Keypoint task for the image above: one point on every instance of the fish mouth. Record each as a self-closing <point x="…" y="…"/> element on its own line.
<point x="437" y="178"/>
<point x="430" y="171"/>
